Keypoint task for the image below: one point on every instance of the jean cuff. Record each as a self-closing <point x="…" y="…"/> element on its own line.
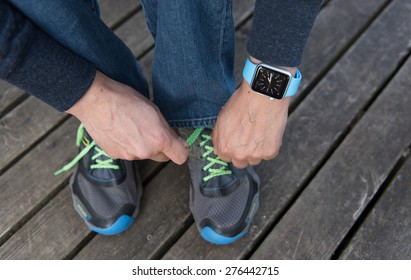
<point x="193" y="123"/>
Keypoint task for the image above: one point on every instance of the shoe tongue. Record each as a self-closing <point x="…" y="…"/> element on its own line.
<point x="107" y="173"/>
<point x="104" y="174"/>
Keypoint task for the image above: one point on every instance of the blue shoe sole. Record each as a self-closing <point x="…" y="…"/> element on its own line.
<point x="212" y="236"/>
<point x="122" y="224"/>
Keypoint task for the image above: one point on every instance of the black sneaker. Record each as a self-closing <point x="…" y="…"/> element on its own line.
<point x="106" y="192"/>
<point x="223" y="198"/>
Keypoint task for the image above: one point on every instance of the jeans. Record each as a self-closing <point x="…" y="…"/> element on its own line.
<point x="193" y="64"/>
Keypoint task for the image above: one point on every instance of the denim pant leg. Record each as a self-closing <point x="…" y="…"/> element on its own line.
<point x="193" y="67"/>
<point x="76" y="25"/>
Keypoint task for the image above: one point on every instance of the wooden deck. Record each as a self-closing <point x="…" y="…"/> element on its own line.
<point x="342" y="182"/>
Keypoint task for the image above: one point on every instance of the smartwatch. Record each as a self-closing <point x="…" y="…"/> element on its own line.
<point x="274" y="82"/>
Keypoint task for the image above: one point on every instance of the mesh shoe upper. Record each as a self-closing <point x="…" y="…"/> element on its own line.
<point x="103" y="189"/>
<point x="223" y="202"/>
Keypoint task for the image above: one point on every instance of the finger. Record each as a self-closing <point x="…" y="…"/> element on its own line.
<point x="160" y="157"/>
<point x="176" y="150"/>
<point x="214" y="136"/>
<point x="240" y="164"/>
<point x="225" y="158"/>
<point x="254" y="161"/>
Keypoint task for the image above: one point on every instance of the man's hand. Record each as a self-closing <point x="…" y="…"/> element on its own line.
<point x="127" y="125"/>
<point x="250" y="127"/>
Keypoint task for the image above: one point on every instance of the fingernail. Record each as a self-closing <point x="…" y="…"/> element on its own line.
<point x="182" y="141"/>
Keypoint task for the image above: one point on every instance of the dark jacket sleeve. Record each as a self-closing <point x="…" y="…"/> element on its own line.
<point x="36" y="63"/>
<point x="280" y="30"/>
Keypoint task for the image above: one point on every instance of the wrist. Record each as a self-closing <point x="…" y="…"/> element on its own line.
<point x="90" y="97"/>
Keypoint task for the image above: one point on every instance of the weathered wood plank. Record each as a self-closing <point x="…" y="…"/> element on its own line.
<point x="242" y="9"/>
<point x="31" y="180"/>
<point x="337" y="25"/>
<point x="21" y="127"/>
<point x="135" y="34"/>
<point x="9" y="95"/>
<point x="327" y="209"/>
<point x="313" y="129"/>
<point x="386" y="234"/>
<point x="56" y="218"/>
<point x="112" y="12"/>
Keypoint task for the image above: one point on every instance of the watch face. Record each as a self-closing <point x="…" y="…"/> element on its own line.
<point x="270" y="82"/>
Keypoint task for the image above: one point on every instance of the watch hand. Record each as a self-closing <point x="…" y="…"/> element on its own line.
<point x="270" y="78"/>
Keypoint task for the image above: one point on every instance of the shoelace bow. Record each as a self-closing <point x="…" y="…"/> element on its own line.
<point x="98" y="160"/>
<point x="209" y="155"/>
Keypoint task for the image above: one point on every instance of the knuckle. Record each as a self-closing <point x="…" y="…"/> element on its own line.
<point x="157" y="140"/>
<point x="240" y="156"/>
<point x="239" y="164"/>
<point x="223" y="150"/>
<point x="162" y="141"/>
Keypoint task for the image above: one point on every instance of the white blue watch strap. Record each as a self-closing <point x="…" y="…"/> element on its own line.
<point x="249" y="71"/>
<point x="294" y="84"/>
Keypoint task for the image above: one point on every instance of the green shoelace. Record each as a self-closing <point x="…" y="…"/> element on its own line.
<point x="107" y="163"/>
<point x="209" y="155"/>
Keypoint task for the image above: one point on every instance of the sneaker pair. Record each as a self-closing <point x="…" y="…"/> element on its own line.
<point x="106" y="192"/>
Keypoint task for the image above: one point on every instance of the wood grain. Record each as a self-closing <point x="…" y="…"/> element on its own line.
<point x="386" y="234"/>
<point x="9" y="96"/>
<point x="31" y="180"/>
<point x="21" y="127"/>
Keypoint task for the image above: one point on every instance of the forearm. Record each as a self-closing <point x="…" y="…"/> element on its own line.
<point x="280" y="30"/>
<point x="38" y="64"/>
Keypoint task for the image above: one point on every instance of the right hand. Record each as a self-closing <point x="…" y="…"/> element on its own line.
<point x="126" y="125"/>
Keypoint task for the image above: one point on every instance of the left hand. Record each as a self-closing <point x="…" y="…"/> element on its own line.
<point x="250" y="127"/>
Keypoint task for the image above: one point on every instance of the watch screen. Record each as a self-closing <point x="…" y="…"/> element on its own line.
<point x="270" y="82"/>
